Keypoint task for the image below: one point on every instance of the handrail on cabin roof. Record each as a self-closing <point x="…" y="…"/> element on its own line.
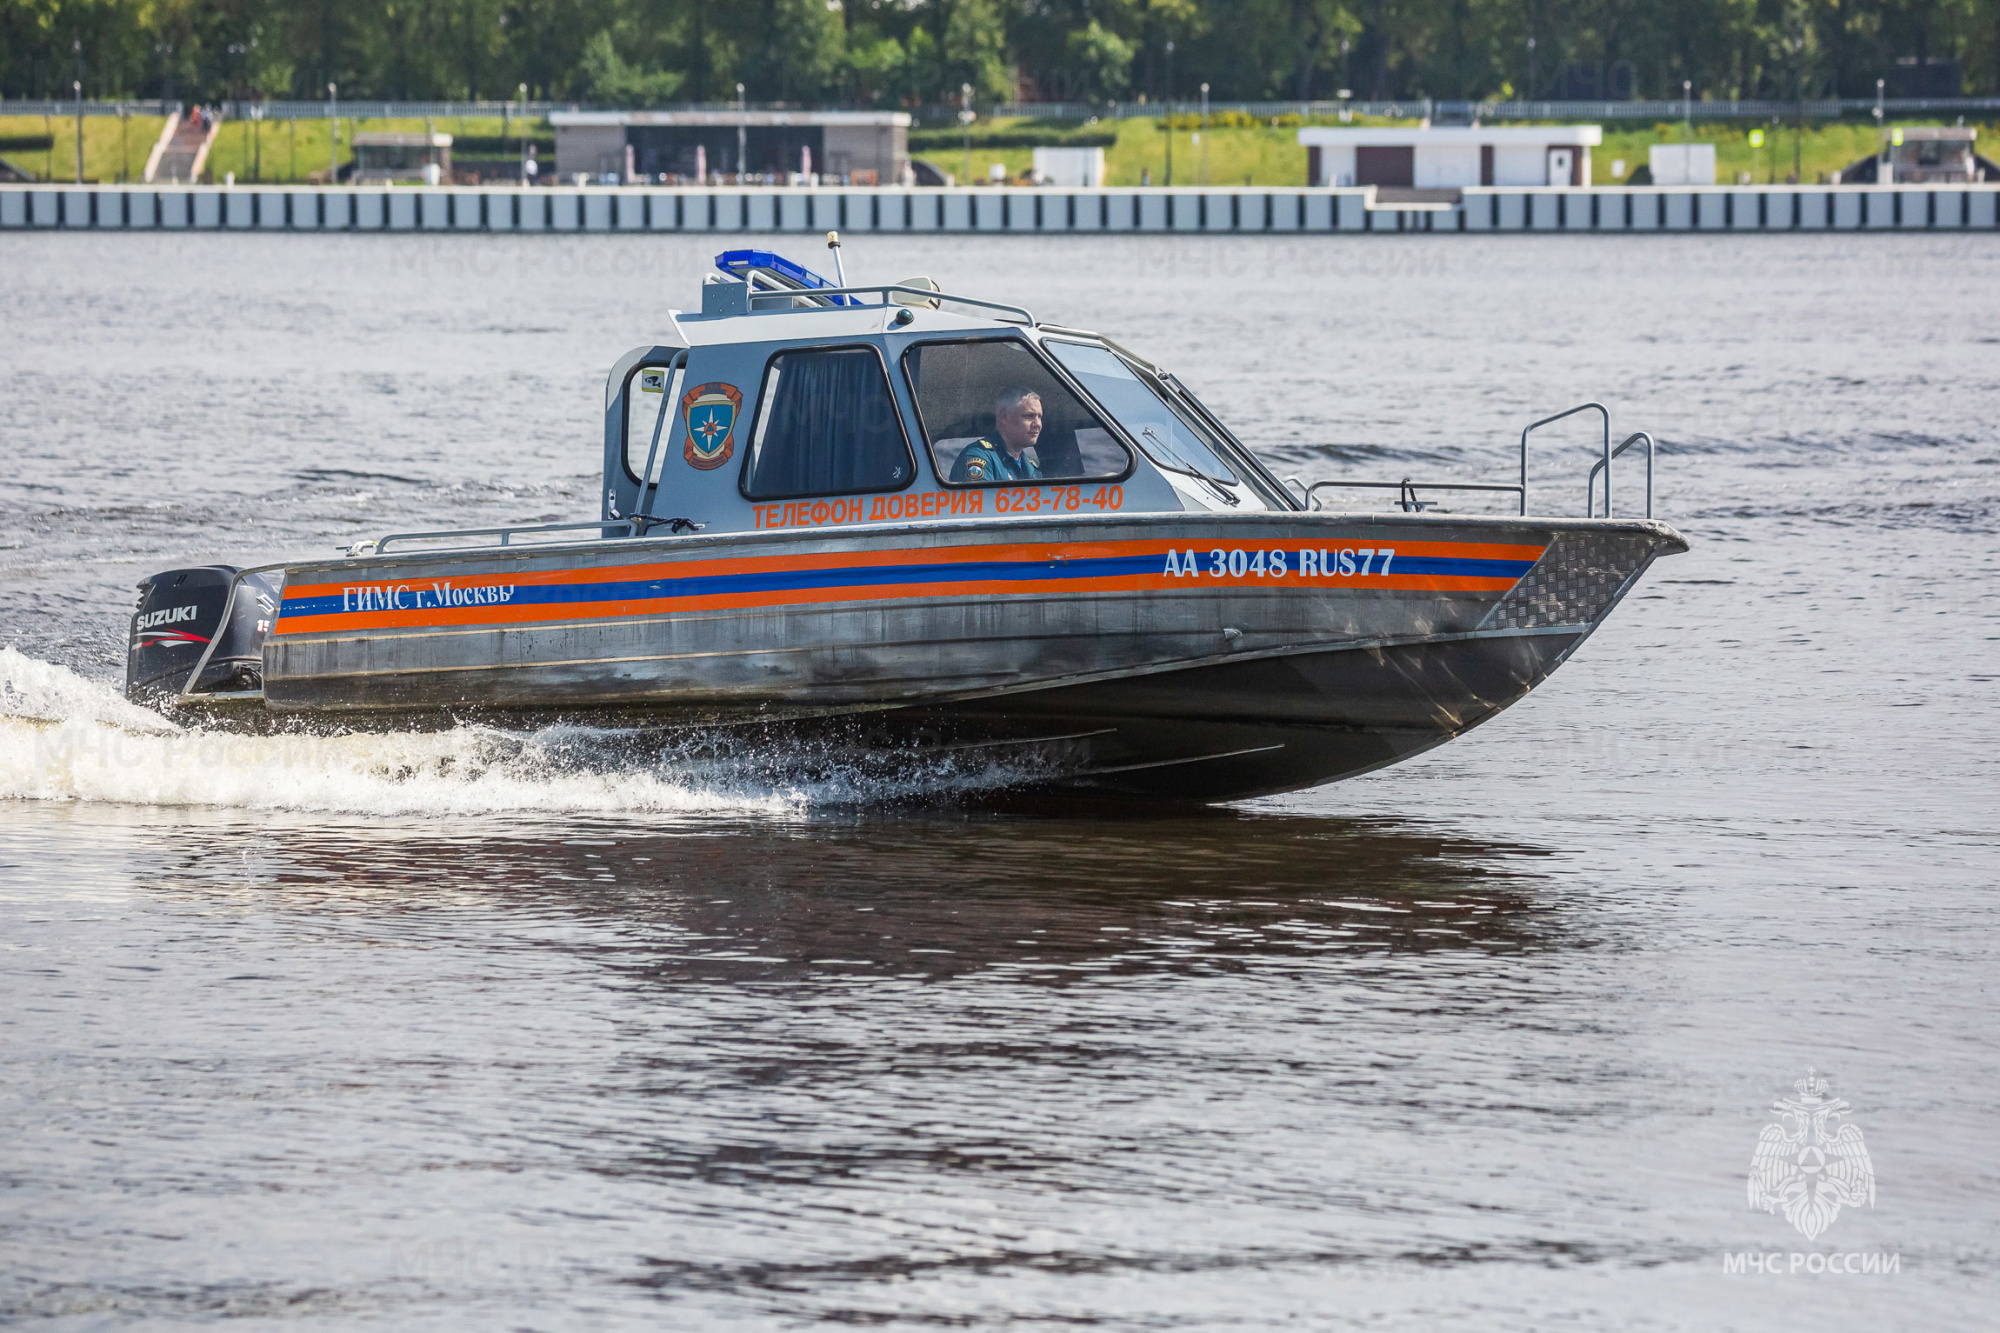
<point x="928" y="294"/>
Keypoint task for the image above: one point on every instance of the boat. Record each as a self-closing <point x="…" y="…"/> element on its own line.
<point x="908" y="522"/>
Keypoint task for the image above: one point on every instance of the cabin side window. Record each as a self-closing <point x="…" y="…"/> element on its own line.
<point x="826" y="425"/>
<point x="994" y="413"/>
<point x="650" y="392"/>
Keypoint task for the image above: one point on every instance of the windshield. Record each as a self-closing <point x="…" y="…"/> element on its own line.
<point x="1167" y="434"/>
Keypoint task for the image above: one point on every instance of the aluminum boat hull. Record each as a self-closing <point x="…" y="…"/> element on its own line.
<point x="1204" y="657"/>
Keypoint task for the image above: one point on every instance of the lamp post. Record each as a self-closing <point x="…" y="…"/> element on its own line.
<point x="1799" y="131"/>
<point x="332" y="136"/>
<point x="524" y="135"/>
<point x="1204" y="134"/>
<point x="742" y="135"/>
<point x="1687" y="110"/>
<point x="966" y="115"/>
<point x="76" y="47"/>
<point x="1884" y="173"/>
<point x="1168" y="121"/>
<point x="257" y="142"/>
<point x="124" y="148"/>
<point x="1528" y="89"/>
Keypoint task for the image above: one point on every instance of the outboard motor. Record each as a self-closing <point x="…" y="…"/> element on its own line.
<point x="179" y="613"/>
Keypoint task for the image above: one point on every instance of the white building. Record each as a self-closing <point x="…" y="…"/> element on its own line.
<point x="865" y="147"/>
<point x="400" y="157"/>
<point x="1682" y="163"/>
<point x="1450" y="157"/>
<point x="1076" y="167"/>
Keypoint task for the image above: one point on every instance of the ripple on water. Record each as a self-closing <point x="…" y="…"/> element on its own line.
<point x="579" y="1026"/>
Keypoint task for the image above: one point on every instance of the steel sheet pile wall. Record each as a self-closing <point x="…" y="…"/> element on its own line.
<point x="997" y="211"/>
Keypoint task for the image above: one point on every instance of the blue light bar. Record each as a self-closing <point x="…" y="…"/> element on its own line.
<point x="742" y="263"/>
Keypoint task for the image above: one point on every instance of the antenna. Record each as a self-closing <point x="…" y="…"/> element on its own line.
<point x="839" y="269"/>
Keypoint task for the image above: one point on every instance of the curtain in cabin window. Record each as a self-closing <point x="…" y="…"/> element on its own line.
<point x="827" y="426"/>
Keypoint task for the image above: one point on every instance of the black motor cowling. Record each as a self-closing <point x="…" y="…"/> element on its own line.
<point x="179" y="613"/>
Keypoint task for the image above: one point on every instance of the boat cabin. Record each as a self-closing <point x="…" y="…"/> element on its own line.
<point x="789" y="402"/>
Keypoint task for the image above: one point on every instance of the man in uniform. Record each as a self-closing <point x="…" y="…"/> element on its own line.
<point x="1017" y="421"/>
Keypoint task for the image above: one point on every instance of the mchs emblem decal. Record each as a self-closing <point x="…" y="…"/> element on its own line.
<point x="710" y="413"/>
<point x="1808" y="1167"/>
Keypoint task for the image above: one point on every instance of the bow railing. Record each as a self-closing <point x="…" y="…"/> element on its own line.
<point x="1408" y="499"/>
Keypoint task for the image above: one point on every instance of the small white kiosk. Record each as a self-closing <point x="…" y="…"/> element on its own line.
<point x="1449" y="157"/>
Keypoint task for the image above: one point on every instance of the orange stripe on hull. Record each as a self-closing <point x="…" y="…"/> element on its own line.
<point x="555" y="613"/>
<point x="1014" y="553"/>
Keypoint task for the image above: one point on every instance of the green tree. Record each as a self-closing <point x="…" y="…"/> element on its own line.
<point x="911" y="52"/>
<point x="800" y="49"/>
<point x="975" y="50"/>
<point x="609" y="80"/>
<point x="1096" y="64"/>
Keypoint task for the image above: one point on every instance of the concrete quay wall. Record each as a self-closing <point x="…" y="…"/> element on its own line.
<point x="1185" y="210"/>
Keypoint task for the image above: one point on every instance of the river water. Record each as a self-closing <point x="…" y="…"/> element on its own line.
<point x="465" y="1029"/>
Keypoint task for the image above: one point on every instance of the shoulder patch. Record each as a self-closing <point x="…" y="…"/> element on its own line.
<point x="975" y="470"/>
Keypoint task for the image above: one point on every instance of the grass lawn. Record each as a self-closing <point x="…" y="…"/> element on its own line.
<point x="1268" y="155"/>
<point x="272" y="150"/>
<point x="290" y="150"/>
<point x="113" y="150"/>
<point x="1822" y="149"/>
<point x="1262" y="156"/>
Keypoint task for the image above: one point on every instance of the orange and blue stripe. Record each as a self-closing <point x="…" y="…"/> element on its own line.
<point x="801" y="580"/>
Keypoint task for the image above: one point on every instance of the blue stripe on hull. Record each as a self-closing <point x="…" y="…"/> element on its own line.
<point x="807" y="580"/>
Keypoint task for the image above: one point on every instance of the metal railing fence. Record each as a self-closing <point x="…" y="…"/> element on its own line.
<point x="132" y="106"/>
<point x="1825" y="108"/>
<point x="1815" y="108"/>
<point x="359" y="109"/>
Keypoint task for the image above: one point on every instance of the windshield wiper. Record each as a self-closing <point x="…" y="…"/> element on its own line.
<point x="1239" y="451"/>
<point x="1227" y="496"/>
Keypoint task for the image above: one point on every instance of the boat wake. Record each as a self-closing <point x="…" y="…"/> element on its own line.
<point x="66" y="738"/>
